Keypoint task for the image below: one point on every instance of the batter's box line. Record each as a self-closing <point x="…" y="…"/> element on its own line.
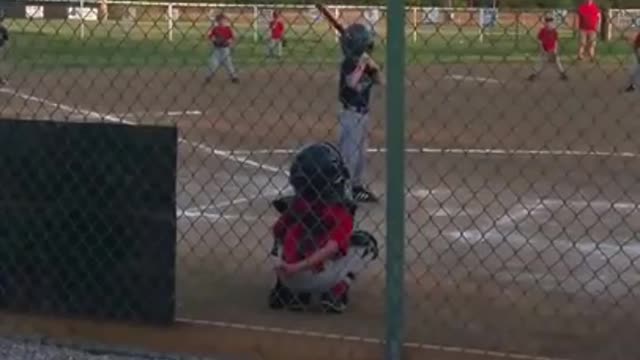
<point x="463" y="151"/>
<point x="243" y="160"/>
<point x="170" y="113"/>
<point x="194" y="213"/>
<point x="471" y="78"/>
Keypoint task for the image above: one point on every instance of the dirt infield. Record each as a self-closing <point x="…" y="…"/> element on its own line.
<point x="522" y="198"/>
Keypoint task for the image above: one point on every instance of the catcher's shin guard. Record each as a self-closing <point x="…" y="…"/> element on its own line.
<point x="281" y="297"/>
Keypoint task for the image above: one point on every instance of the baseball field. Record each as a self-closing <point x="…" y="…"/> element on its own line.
<point x="522" y="197"/>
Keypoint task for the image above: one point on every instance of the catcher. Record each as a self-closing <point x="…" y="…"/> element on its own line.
<point x="548" y="40"/>
<point x="221" y="36"/>
<point x="316" y="249"/>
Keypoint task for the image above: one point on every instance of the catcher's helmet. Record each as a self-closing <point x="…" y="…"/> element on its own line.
<point x="357" y="39"/>
<point x="318" y="172"/>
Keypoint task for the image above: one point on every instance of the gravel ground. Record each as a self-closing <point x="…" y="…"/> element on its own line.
<point x="32" y="349"/>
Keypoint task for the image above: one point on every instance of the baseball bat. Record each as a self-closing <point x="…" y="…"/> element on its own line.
<point x="332" y="20"/>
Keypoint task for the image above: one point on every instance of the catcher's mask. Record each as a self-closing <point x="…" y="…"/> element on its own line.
<point x="357" y="40"/>
<point x="319" y="172"/>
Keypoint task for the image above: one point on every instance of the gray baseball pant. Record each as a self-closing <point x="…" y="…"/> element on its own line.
<point x="274" y="48"/>
<point x="543" y="60"/>
<point x="221" y="56"/>
<point x="334" y="272"/>
<point x="3" y="53"/>
<point x="353" y="142"/>
<point x="635" y="71"/>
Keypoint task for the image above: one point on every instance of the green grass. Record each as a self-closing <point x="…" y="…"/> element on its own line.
<point x="50" y="44"/>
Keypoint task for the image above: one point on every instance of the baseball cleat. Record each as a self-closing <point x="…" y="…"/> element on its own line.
<point x="235" y="80"/>
<point x="532" y="77"/>
<point x="630" y="88"/>
<point x="564" y="77"/>
<point x="333" y="305"/>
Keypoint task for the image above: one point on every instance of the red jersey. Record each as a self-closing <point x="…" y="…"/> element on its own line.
<point x="307" y="227"/>
<point x="548" y="37"/>
<point x="277" y="29"/>
<point x="589" y="15"/>
<point x="221" y="35"/>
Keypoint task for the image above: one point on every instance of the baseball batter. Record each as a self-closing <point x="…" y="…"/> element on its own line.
<point x="358" y="74"/>
<point x="4" y="38"/>
<point x="634" y="80"/>
<point x="548" y="40"/>
<point x="221" y="36"/>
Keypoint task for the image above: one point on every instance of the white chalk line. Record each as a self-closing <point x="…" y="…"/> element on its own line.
<point x="194" y="213"/>
<point x="470" y="78"/>
<point x="171" y="113"/>
<point x="242" y="160"/>
<point x="368" y="340"/>
<point x="463" y="151"/>
<point x="246" y="199"/>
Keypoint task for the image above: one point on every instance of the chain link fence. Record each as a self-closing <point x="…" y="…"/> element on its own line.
<point x="521" y="183"/>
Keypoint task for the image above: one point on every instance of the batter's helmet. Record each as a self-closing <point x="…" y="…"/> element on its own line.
<point x="318" y="172"/>
<point x="357" y="40"/>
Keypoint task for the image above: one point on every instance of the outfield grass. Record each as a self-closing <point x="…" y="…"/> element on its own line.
<point x="45" y="44"/>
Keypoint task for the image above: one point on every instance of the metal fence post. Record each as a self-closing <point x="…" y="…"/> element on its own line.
<point x="82" y="19"/>
<point x="170" y="20"/>
<point x="395" y="211"/>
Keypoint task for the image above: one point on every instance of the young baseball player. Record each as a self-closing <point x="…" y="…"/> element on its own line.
<point x="634" y="80"/>
<point x="548" y="40"/>
<point x="4" y="38"/>
<point x="316" y="249"/>
<point x="222" y="37"/>
<point x="276" y="27"/>
<point x="358" y="74"/>
<point x="589" y="17"/>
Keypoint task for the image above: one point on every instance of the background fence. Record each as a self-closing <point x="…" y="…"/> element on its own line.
<point x="254" y="19"/>
<point x="520" y="197"/>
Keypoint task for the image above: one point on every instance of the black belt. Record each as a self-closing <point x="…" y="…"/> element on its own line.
<point x="357" y="109"/>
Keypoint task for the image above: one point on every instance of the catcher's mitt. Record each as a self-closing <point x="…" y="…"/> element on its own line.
<point x="363" y="238"/>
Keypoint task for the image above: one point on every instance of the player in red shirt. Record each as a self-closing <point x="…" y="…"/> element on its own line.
<point x="276" y="40"/>
<point x="635" y="74"/>
<point x="589" y="17"/>
<point x="317" y="250"/>
<point x="221" y="36"/>
<point x="548" y="40"/>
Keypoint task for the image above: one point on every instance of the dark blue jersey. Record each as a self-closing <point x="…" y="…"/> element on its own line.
<point x="360" y="95"/>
